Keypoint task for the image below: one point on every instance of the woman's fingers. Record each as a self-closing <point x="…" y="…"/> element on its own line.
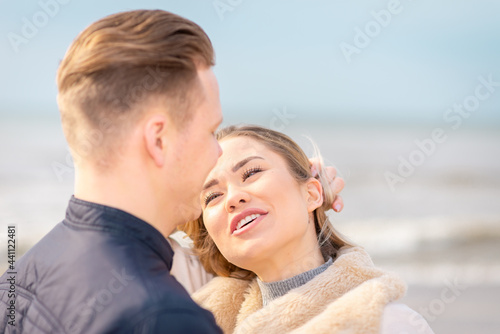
<point x="314" y="166"/>
<point x="335" y="183"/>
<point x="338" y="204"/>
<point x="331" y="173"/>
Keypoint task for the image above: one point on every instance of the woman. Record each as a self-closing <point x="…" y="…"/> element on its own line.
<point x="281" y="266"/>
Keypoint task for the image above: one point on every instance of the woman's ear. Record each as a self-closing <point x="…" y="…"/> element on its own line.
<point x="155" y="138"/>
<point x="314" y="194"/>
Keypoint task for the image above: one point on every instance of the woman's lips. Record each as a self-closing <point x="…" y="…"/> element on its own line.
<point x="245" y="215"/>
<point x="249" y="225"/>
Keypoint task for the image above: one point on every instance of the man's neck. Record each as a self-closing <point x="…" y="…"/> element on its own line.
<point x="124" y="194"/>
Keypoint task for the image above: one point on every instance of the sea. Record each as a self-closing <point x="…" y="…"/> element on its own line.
<point x="423" y="199"/>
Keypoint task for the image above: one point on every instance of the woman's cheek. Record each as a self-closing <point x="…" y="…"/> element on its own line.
<point x="213" y="222"/>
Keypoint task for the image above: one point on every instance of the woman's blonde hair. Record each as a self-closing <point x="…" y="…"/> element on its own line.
<point x="299" y="166"/>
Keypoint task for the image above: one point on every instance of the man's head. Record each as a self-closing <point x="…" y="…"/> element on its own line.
<point x="117" y="66"/>
<point x="136" y="91"/>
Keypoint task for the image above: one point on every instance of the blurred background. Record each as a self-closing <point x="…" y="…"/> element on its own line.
<point x="403" y="97"/>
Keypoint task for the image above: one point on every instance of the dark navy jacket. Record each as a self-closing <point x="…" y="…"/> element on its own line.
<point x="101" y="270"/>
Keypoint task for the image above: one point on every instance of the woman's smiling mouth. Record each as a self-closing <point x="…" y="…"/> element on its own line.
<point x="242" y="221"/>
<point x="247" y="220"/>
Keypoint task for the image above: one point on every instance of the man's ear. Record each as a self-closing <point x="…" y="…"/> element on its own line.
<point x="314" y="194"/>
<point x="155" y="136"/>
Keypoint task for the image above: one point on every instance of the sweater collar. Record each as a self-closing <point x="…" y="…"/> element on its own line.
<point x="81" y="214"/>
<point x="273" y="290"/>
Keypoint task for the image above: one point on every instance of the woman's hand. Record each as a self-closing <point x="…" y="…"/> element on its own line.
<point x="335" y="182"/>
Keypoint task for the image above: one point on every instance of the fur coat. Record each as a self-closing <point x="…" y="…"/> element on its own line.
<point x="348" y="297"/>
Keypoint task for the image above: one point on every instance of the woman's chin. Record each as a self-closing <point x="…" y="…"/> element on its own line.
<point x="249" y="252"/>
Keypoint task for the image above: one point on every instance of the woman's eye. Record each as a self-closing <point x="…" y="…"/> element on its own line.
<point x="251" y="172"/>
<point x="210" y="197"/>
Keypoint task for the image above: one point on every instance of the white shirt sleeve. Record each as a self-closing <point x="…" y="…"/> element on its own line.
<point x="400" y="319"/>
<point x="186" y="266"/>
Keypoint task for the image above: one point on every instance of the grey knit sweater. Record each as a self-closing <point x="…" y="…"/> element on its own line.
<point x="273" y="290"/>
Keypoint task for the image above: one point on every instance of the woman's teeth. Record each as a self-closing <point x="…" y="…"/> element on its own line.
<point x="246" y="220"/>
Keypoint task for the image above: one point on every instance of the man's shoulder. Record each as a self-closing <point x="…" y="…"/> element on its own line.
<point x="81" y="250"/>
<point x="105" y="278"/>
<point x="98" y="259"/>
<point x="179" y="317"/>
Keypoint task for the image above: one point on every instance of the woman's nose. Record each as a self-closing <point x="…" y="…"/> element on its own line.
<point x="235" y="198"/>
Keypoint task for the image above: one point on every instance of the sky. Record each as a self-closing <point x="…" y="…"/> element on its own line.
<point x="361" y="61"/>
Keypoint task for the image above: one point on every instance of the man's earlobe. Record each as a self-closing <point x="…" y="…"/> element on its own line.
<point x="154" y="136"/>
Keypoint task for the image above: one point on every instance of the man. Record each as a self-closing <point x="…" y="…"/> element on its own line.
<point x="139" y="106"/>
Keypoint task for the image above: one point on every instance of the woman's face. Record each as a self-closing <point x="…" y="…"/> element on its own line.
<point x="253" y="208"/>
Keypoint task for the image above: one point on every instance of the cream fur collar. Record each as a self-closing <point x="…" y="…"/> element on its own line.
<point x="349" y="297"/>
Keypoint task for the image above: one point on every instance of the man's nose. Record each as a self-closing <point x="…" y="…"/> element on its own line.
<point x="220" y="150"/>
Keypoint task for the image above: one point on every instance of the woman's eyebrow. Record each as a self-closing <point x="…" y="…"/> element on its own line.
<point x="210" y="183"/>
<point x="214" y="182"/>
<point x="244" y="162"/>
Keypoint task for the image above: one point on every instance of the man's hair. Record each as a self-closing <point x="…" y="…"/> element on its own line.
<point x="329" y="240"/>
<point x="118" y="65"/>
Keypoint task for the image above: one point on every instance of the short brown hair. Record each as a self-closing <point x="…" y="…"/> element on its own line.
<point x="299" y="166"/>
<point x="121" y="62"/>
